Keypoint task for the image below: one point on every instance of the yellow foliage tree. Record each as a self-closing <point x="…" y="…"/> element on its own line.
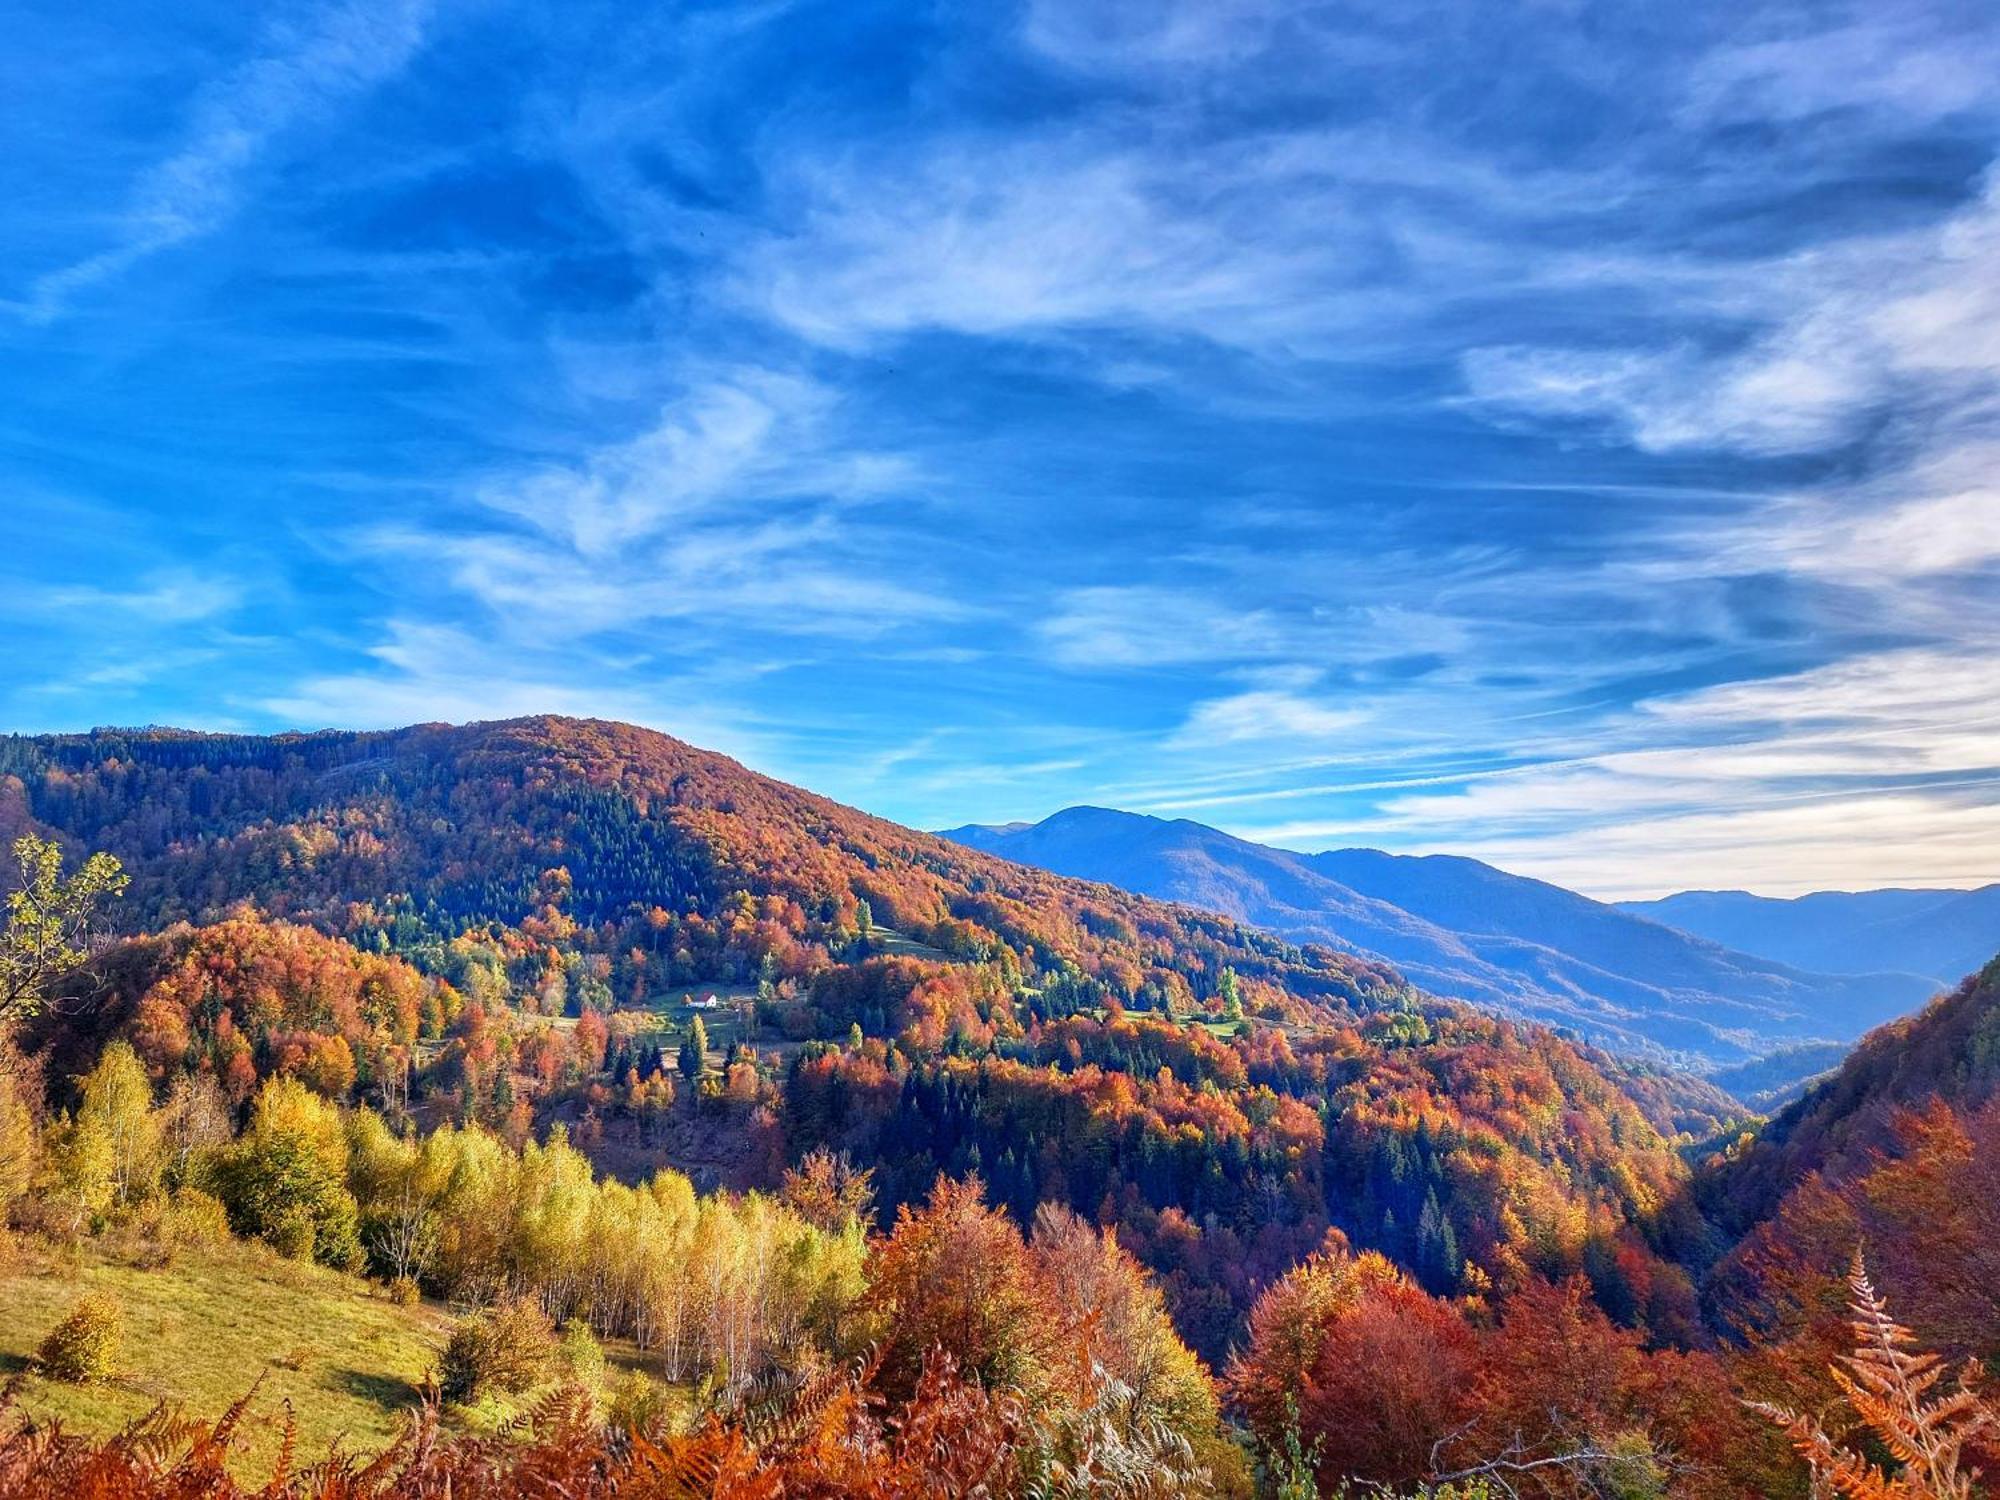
<point x="117" y="1107"/>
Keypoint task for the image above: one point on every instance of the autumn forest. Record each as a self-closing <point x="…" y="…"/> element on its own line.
<point x="712" y="1138"/>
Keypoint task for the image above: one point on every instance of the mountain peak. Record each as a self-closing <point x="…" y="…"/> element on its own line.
<point x="1459" y="926"/>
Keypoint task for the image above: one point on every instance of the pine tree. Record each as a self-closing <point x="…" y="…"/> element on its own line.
<point x="1232" y="996"/>
<point x="694" y="1051"/>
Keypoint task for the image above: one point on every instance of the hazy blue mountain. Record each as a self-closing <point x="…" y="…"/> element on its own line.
<point x="1769" y="1083"/>
<point x="1943" y="935"/>
<point x="1459" y="927"/>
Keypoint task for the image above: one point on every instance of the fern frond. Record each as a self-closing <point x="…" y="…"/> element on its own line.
<point x="1832" y="1466"/>
<point x="1888" y="1383"/>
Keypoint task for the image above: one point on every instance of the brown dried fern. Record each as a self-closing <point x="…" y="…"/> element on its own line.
<point x="1890" y="1385"/>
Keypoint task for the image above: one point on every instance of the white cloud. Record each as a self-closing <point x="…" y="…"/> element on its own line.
<point x="1253" y="609"/>
<point x="306" y="71"/>
<point x="1142" y="626"/>
<point x="1894" y="60"/>
<point x="1117" y="36"/>
<point x="1919" y="690"/>
<point x="1884" y="538"/>
<point x="733" y="440"/>
<point x="1772" y="400"/>
<point x="1265" y="716"/>
<point x="986" y="239"/>
<point x="1855" y="840"/>
<point x="1293" y="244"/>
<point x="1870" y="770"/>
<point x="1619" y="846"/>
<point x="177" y="596"/>
<point x="743" y="503"/>
<point x="1833" y="334"/>
<point x="774" y="576"/>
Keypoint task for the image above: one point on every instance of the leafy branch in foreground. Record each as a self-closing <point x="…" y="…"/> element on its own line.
<point x="1894" y="1389"/>
<point x="48" y="922"/>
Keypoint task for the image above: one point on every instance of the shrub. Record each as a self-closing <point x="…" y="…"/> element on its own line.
<point x="579" y="1354"/>
<point x="638" y="1403"/>
<point x="505" y="1349"/>
<point x="195" y="1220"/>
<point x="84" y="1346"/>
<point x="285" y="1179"/>
<point x="162" y="1227"/>
<point x="403" y="1291"/>
<point x="292" y="1235"/>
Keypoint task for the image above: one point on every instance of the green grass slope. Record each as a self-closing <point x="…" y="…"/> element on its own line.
<point x="200" y="1331"/>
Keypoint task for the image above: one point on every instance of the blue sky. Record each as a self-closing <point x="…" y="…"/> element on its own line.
<point x="1557" y="432"/>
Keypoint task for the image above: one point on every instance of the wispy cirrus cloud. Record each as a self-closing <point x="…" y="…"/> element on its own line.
<point x="1818" y="343"/>
<point x="731" y="442"/>
<point x="1918" y="530"/>
<point x="1809" y="773"/>
<point x="743" y="502"/>
<point x="173" y="596"/>
<point x="306" y="67"/>
<point x="1269" y="717"/>
<point x="1818" y="841"/>
<point x="1915" y="62"/>
<point x="1114" y="36"/>
<point x="1149" y="626"/>
<point x="1308" y="242"/>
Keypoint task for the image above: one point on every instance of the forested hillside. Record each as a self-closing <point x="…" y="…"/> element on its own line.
<point x="1223" y="1096"/>
<point x="840" y="1135"/>
<point x="630" y="863"/>
<point x="1946" y="1056"/>
<point x="1898" y="1151"/>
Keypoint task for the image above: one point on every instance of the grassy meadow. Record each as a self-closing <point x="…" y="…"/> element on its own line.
<point x="198" y="1333"/>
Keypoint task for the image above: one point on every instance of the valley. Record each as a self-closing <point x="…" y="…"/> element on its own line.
<point x="566" y="1025"/>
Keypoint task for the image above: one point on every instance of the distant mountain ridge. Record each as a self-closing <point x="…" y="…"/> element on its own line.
<point x="1459" y="927"/>
<point x="1941" y="934"/>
